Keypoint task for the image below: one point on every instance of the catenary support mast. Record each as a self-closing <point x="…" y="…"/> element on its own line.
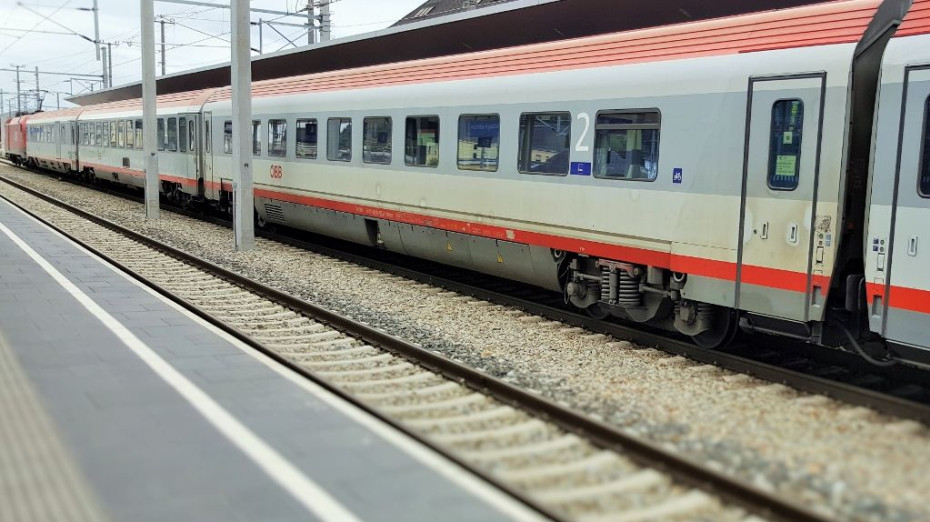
<point x="149" y="138"/>
<point x="241" y="81"/>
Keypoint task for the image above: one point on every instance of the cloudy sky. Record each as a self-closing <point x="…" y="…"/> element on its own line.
<point x="199" y="36"/>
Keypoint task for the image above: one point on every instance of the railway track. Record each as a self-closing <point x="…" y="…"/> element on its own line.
<point x="564" y="464"/>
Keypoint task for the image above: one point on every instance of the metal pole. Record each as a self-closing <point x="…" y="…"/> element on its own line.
<point x="97" y="41"/>
<point x="311" y="22"/>
<point x="38" y="94"/>
<point x="110" y="62"/>
<point x="241" y="81"/>
<point x="149" y="138"/>
<point x="261" y="40"/>
<point x="325" y="27"/>
<point x="163" y="57"/>
<point x="57" y="101"/>
<point x="19" y="102"/>
<point x="106" y="82"/>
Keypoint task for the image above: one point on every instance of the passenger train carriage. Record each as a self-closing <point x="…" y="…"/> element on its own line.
<point x="764" y="171"/>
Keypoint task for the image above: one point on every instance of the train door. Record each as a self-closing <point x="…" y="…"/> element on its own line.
<point x="207" y="148"/>
<point x="908" y="278"/>
<point x="189" y="125"/>
<point x="780" y="171"/>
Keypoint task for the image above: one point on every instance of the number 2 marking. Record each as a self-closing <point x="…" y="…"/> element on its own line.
<point x="584" y="132"/>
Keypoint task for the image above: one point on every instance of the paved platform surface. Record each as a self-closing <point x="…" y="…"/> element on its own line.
<point x="117" y="404"/>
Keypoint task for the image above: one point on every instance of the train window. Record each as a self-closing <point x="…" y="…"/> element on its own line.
<point x="924" y="187"/>
<point x="376" y="140"/>
<point x="120" y="134"/>
<point x="785" y="144"/>
<point x="114" y="141"/>
<point x="99" y="134"/>
<point x="227" y="137"/>
<point x="256" y="138"/>
<point x="160" y="131"/>
<point x="306" y="138"/>
<point x="339" y="139"/>
<point x="191" y="135"/>
<point x="277" y="138"/>
<point x="130" y="135"/>
<point x="626" y="145"/>
<point x="544" y="143"/>
<point x="182" y="135"/>
<point x="421" y="141"/>
<point x="479" y="141"/>
<point x="207" y="136"/>
<point x="171" y="134"/>
<point x="139" y="142"/>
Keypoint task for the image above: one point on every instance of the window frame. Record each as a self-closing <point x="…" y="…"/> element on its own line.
<point x="419" y="127"/>
<point x="161" y="132"/>
<point x="657" y="126"/>
<point x="923" y="158"/>
<point x="568" y="148"/>
<point x="458" y="141"/>
<point x="390" y="139"/>
<point x="272" y="152"/>
<point x="338" y="134"/>
<point x="316" y="142"/>
<point x="771" y="163"/>
<point x="183" y="136"/>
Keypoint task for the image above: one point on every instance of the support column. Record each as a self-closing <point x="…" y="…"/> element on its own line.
<point x="241" y="81"/>
<point x="164" y="59"/>
<point x="149" y="128"/>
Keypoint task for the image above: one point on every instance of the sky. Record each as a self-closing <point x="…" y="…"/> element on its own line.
<point x="199" y="36"/>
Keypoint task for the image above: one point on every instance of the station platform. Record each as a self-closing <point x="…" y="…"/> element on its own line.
<point x="117" y="404"/>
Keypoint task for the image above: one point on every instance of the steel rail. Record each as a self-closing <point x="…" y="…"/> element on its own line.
<point x="648" y="454"/>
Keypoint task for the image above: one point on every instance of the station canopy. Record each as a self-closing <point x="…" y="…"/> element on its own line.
<point x="507" y="24"/>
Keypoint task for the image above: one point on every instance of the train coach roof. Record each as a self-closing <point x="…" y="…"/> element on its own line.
<point x="497" y="26"/>
<point x="823" y="24"/>
<point x="69" y="113"/>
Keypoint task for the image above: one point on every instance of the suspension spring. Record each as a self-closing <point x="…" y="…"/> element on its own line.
<point x="605" y="284"/>
<point x="705" y="312"/>
<point x="628" y="290"/>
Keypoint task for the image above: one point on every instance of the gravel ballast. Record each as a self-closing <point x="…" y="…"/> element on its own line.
<point x="848" y="462"/>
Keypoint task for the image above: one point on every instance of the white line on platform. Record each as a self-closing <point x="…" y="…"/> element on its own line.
<point x="502" y="502"/>
<point x="307" y="492"/>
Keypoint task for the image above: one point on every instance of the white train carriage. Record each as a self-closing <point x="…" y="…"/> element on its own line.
<point x="693" y="177"/>
<point x="621" y="168"/>
<point x="111" y="144"/>
<point x="52" y="140"/>
<point x="897" y="245"/>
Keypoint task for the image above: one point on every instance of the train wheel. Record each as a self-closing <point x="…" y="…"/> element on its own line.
<point x="726" y="326"/>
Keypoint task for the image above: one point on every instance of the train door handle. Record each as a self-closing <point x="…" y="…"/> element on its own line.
<point x="912" y="246"/>
<point x="765" y="230"/>
<point x="793" y="234"/>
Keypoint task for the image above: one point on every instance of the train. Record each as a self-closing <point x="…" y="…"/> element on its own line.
<point x="767" y="172"/>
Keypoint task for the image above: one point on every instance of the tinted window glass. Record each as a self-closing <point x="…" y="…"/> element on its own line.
<point x="925" y="154"/>
<point x="138" y="134"/>
<point x="277" y="137"/>
<point x="785" y="144"/>
<point x="256" y="138"/>
<point x="339" y="139"/>
<point x="227" y="137"/>
<point x="376" y="140"/>
<point x="182" y="135"/>
<point x="160" y="130"/>
<point x="544" y="142"/>
<point x="479" y="141"/>
<point x="306" y="138"/>
<point x="626" y="145"/>
<point x="130" y="135"/>
<point x="421" y="141"/>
